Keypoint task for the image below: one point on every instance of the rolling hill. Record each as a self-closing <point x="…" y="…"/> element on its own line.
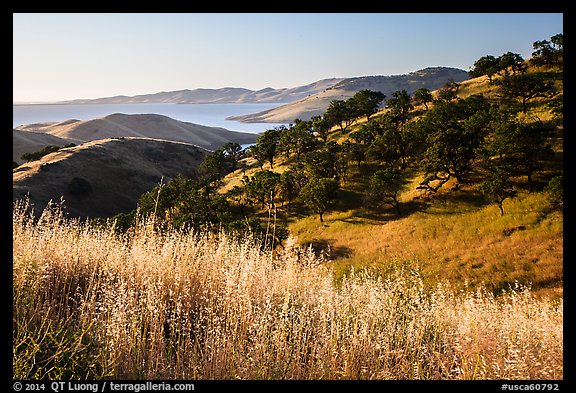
<point x="28" y="142"/>
<point x="225" y="95"/>
<point x="118" y="171"/>
<point x="431" y="78"/>
<point x="301" y="102"/>
<point x="142" y="126"/>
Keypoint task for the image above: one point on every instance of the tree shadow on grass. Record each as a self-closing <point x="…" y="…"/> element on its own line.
<point x="348" y="199"/>
<point x="325" y="247"/>
<point x="469" y="198"/>
<point x="461" y="200"/>
<point x="387" y="213"/>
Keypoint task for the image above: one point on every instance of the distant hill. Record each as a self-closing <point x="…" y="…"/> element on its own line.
<point x="29" y="142"/>
<point x="225" y="95"/>
<point x="431" y="78"/>
<point x="118" y="171"/>
<point x="140" y="125"/>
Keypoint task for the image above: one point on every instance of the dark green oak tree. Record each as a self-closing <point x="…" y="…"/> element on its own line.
<point x="525" y="87"/>
<point x="422" y="96"/>
<point x="366" y="102"/>
<point x="319" y="194"/>
<point x="385" y="188"/>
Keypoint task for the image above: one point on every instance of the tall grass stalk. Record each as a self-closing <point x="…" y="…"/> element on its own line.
<point x="89" y="303"/>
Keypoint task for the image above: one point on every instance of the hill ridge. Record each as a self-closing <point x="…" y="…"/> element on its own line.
<point x="106" y="164"/>
<point x="231" y="95"/>
<point x="140" y="125"/>
<point x="223" y="95"/>
<point x="431" y="78"/>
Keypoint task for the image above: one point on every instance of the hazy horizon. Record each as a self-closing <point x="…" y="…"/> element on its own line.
<point x="69" y="56"/>
<point x="62" y="102"/>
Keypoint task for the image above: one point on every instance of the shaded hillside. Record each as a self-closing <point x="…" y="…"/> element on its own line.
<point x="225" y="95"/>
<point x="314" y="105"/>
<point x="141" y="126"/>
<point x="117" y="172"/>
<point x="28" y="142"/>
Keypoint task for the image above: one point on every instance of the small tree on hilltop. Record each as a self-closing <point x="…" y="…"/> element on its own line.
<point x="341" y="113"/>
<point x="297" y="139"/>
<point x="393" y="146"/>
<point x="257" y="153"/>
<point x="512" y="61"/>
<point x="486" y="65"/>
<point x="320" y="127"/>
<point x="263" y="187"/>
<point x="267" y="145"/>
<point x="40" y="153"/>
<point x="233" y="152"/>
<point x="326" y="162"/>
<point x="449" y="92"/>
<point x="520" y="147"/>
<point x="216" y="165"/>
<point x="356" y="151"/>
<point x="288" y="186"/>
<point x="400" y="103"/>
<point x="549" y="53"/>
<point x="453" y="133"/>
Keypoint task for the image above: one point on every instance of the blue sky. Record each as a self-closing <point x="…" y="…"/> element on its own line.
<point x="91" y="55"/>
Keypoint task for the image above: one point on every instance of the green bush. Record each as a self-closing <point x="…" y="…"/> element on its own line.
<point x="40" y="153"/>
<point x="555" y="190"/>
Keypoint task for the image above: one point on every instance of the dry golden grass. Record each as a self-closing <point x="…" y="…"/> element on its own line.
<point x="477" y="85"/>
<point x="455" y="238"/>
<point x="88" y="303"/>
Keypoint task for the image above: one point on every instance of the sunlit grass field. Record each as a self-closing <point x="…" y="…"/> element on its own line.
<point x="89" y="303"/>
<point x="457" y="238"/>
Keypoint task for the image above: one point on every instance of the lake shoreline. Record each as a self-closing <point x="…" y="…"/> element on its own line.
<point x="212" y="115"/>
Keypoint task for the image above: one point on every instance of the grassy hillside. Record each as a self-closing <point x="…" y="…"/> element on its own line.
<point x="456" y="235"/>
<point x="448" y="288"/>
<point x="104" y="165"/>
<point x="458" y="238"/>
<point x="316" y="104"/>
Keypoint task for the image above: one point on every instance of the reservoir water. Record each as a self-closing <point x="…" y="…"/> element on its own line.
<point x="213" y="115"/>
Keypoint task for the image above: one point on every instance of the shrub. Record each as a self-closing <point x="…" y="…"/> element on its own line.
<point x="40" y="153"/>
<point x="555" y="190"/>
